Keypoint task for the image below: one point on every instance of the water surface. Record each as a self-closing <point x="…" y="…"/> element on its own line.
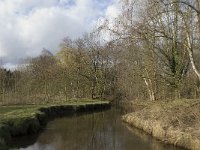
<point x="97" y="131"/>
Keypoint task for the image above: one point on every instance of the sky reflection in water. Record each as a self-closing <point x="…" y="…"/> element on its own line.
<point x="98" y="131"/>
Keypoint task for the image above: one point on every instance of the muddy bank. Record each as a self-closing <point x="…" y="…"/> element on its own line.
<point x="38" y="118"/>
<point x="173" y="122"/>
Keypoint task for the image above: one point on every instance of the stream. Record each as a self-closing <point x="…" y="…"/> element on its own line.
<point x="96" y="131"/>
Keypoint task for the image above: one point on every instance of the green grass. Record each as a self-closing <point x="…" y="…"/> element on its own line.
<point x="19" y="120"/>
<point x="19" y="111"/>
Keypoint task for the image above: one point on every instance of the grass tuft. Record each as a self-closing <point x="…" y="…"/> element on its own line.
<point x="176" y="122"/>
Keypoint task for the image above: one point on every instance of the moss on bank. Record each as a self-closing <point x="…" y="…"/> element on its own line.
<point x="29" y="119"/>
<point x="174" y="122"/>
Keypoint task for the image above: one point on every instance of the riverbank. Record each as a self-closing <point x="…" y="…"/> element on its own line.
<point x="173" y="122"/>
<point x="28" y="119"/>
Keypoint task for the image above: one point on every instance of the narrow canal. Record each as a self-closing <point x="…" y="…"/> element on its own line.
<point x="97" y="131"/>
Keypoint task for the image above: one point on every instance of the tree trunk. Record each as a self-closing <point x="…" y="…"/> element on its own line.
<point x="150" y="89"/>
<point x="66" y="97"/>
<point x="191" y="57"/>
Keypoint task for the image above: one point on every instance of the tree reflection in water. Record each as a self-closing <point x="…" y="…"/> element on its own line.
<point x="97" y="131"/>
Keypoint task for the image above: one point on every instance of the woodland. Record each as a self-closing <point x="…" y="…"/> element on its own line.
<point x="153" y="53"/>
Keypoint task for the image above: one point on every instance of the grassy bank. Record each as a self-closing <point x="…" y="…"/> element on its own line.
<point x="174" y="122"/>
<point x="29" y="119"/>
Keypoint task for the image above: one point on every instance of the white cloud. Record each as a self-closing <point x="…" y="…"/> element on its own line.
<point x="113" y="10"/>
<point x="10" y="66"/>
<point x="2" y="52"/>
<point x="27" y="26"/>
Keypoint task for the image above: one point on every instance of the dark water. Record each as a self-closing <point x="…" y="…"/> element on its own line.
<point x="98" y="131"/>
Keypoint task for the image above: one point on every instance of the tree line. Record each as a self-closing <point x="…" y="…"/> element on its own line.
<point x="160" y="40"/>
<point x="82" y="68"/>
<point x="153" y="53"/>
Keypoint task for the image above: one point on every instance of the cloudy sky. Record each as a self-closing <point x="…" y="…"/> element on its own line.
<point x="28" y="26"/>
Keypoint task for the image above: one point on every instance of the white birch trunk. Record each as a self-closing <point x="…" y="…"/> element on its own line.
<point x="191" y="57"/>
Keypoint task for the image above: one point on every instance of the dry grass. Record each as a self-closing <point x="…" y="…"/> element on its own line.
<point x="175" y="122"/>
